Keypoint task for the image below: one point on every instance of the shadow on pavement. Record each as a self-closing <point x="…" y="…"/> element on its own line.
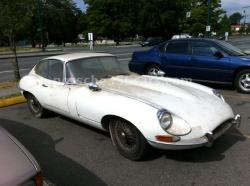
<point x="56" y="167"/>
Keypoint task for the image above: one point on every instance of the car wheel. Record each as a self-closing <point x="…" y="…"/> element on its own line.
<point x="152" y="70"/>
<point x="242" y="81"/>
<point x="128" y="140"/>
<point x="35" y="107"/>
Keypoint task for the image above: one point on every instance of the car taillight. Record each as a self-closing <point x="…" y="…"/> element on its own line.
<point x="38" y="179"/>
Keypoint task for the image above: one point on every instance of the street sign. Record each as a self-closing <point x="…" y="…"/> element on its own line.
<point x="188" y="14"/>
<point x="208" y="28"/>
<point x="90" y="36"/>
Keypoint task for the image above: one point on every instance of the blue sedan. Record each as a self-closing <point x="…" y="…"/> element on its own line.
<point x="202" y="60"/>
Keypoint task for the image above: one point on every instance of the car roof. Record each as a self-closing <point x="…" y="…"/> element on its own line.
<point x="195" y="39"/>
<point x="80" y="55"/>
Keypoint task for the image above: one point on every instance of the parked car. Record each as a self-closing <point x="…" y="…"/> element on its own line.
<point x="202" y="60"/>
<point x="138" y="111"/>
<point x="151" y="41"/>
<point x="182" y="36"/>
<point x="18" y="166"/>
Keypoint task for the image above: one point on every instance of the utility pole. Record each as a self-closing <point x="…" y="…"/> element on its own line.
<point x="40" y="23"/>
<point x="208" y="27"/>
<point x="245" y="16"/>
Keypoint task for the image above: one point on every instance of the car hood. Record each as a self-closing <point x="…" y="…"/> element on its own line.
<point x="194" y="103"/>
<point x="17" y="164"/>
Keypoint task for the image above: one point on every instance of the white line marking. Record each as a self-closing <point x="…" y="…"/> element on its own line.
<point x="10" y="71"/>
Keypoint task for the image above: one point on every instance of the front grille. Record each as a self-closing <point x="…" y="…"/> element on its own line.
<point x="221" y="129"/>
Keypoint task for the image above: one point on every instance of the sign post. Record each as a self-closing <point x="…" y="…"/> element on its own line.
<point x="226" y="35"/>
<point x="91" y="41"/>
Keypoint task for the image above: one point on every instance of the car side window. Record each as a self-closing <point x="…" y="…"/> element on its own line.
<point x="42" y="68"/>
<point x="203" y="49"/>
<point x="55" y="70"/>
<point x="177" y="47"/>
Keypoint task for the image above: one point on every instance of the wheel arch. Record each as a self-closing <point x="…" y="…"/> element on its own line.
<point x="26" y="93"/>
<point x="239" y="70"/>
<point x="107" y="118"/>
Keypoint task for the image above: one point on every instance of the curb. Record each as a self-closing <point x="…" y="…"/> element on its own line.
<point x="12" y="101"/>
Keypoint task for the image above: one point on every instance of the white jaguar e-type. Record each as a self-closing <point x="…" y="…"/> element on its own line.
<point x="138" y="111"/>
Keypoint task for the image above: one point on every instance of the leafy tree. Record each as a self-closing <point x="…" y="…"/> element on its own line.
<point x="224" y="25"/>
<point x="235" y="18"/>
<point x="112" y="18"/>
<point x="199" y="14"/>
<point x="14" y="16"/>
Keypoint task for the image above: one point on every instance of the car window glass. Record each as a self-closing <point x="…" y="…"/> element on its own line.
<point x="203" y="49"/>
<point x="42" y="68"/>
<point x="55" y="70"/>
<point x="177" y="47"/>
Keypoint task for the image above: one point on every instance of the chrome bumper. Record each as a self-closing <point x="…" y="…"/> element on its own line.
<point x="206" y="140"/>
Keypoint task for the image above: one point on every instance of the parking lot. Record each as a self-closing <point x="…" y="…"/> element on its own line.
<point x="71" y="153"/>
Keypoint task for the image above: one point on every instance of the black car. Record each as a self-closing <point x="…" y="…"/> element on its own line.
<point x="151" y="41"/>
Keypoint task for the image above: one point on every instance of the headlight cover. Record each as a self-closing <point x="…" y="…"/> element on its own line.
<point x="165" y="119"/>
<point x="173" y="125"/>
<point x="218" y="94"/>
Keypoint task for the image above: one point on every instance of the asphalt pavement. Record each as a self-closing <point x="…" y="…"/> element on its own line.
<point x="71" y="153"/>
<point x="123" y="53"/>
<point x="26" y="63"/>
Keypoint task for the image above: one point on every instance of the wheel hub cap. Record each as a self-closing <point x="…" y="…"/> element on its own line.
<point x="245" y="81"/>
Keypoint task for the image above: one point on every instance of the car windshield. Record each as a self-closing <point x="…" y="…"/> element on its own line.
<point x="230" y="49"/>
<point x="88" y="69"/>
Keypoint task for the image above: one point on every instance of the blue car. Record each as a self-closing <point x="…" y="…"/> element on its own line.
<point x="202" y="60"/>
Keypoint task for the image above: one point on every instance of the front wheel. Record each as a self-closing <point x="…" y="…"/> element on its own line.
<point x="242" y="81"/>
<point x="128" y="140"/>
<point x="35" y="107"/>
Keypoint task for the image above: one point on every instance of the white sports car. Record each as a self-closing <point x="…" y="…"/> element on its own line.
<point x="138" y="111"/>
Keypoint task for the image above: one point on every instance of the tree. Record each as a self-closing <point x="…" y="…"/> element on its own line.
<point x="199" y="14"/>
<point x="235" y="18"/>
<point x="14" y="15"/>
<point x="112" y="18"/>
<point x="224" y="25"/>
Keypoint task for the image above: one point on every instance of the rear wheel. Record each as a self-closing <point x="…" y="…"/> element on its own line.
<point x="128" y="140"/>
<point x="152" y="70"/>
<point x="242" y="81"/>
<point x="35" y="107"/>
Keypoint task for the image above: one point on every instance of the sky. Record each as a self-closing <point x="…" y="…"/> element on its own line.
<point x="230" y="6"/>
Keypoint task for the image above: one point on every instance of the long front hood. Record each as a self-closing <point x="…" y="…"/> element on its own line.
<point x="194" y="103"/>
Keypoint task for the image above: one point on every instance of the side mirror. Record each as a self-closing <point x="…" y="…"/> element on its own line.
<point x="160" y="73"/>
<point x="94" y="87"/>
<point x="218" y="54"/>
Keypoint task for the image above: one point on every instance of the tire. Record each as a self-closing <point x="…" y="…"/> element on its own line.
<point x="128" y="140"/>
<point x="152" y="70"/>
<point x="35" y="107"/>
<point x="242" y="81"/>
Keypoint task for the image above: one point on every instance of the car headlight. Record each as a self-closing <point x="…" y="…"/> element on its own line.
<point x="218" y="94"/>
<point x="173" y="125"/>
<point x="165" y="119"/>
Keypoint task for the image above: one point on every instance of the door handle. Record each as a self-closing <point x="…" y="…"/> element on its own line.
<point x="44" y="85"/>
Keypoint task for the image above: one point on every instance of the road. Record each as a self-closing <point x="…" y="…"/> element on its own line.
<point x="25" y="64"/>
<point x="123" y="53"/>
<point x="72" y="154"/>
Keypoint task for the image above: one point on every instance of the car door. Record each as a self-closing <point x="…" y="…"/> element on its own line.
<point x="206" y="65"/>
<point x="175" y="60"/>
<point x="53" y="89"/>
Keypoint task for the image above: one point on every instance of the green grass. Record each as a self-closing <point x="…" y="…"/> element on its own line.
<point x="6" y="50"/>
